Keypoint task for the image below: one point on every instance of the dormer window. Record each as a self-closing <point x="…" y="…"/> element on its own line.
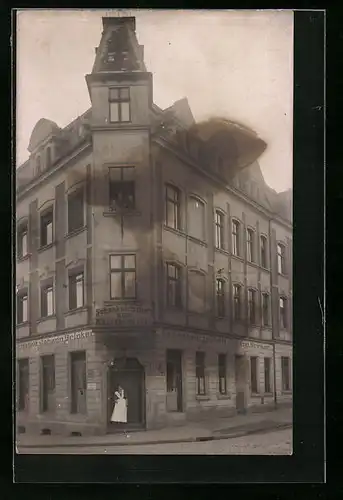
<point x="119" y="100"/>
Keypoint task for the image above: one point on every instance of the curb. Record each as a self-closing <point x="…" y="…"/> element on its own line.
<point x="193" y="439"/>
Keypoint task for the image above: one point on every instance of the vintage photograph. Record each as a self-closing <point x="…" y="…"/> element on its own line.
<point x="154" y="232"/>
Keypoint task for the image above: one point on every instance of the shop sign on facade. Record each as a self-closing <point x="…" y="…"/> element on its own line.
<point x="254" y="345"/>
<point x="124" y="315"/>
<point x="56" y="339"/>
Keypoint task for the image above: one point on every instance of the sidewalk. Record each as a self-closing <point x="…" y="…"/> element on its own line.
<point x="219" y="428"/>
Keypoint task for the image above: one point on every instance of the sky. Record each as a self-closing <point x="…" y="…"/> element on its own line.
<point x="233" y="64"/>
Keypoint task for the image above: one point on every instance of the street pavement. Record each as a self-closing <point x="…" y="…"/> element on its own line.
<point x="266" y="443"/>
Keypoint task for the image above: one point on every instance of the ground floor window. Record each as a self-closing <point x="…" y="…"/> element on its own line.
<point x="267" y="374"/>
<point x="23" y="384"/>
<point x="48" y="383"/>
<point x="222" y="373"/>
<point x="285" y="374"/>
<point x="200" y="372"/>
<point x="78" y="382"/>
<point x="174" y="380"/>
<point x="254" y="374"/>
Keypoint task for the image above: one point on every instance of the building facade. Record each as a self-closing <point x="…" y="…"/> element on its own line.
<point x="152" y="255"/>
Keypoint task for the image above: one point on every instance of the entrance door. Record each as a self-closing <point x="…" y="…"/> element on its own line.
<point x="174" y="380"/>
<point x="129" y="375"/>
<point x="240" y="377"/>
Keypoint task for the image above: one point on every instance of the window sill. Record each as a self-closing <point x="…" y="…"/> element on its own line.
<point x="179" y="232"/>
<point x="255" y="394"/>
<point x="202" y="397"/>
<point x="238" y="257"/>
<point x="266" y="327"/>
<point x="22" y="258"/>
<point x="46" y="318"/>
<point x="45" y="247"/>
<point x="222" y="251"/>
<point x="223" y="396"/>
<point x="75" y="311"/>
<point x="112" y="302"/>
<point x="23" y="323"/>
<point x="265" y="269"/>
<point x="197" y="240"/>
<point x="75" y="232"/>
<point x="288" y="392"/>
<point x="119" y="213"/>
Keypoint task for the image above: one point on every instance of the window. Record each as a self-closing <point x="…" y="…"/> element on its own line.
<point x="47" y="300"/>
<point x="173" y="199"/>
<point x="267" y="374"/>
<point x="75" y="210"/>
<point x="237" y="302"/>
<point x="123" y="276"/>
<point x="119" y="104"/>
<point x="222" y="373"/>
<point x="196" y="291"/>
<point x="122" y="188"/>
<point x="38" y="165"/>
<point x="265" y="309"/>
<point x="254" y="375"/>
<point x="78" y="382"/>
<point x="220" y="294"/>
<point x="283" y="312"/>
<point x="48" y="157"/>
<point x="196" y="218"/>
<point x="76" y="290"/>
<point x="174" y="286"/>
<point x="219" y="226"/>
<point x="263" y="242"/>
<point x="200" y="372"/>
<point x="250" y="245"/>
<point x="252" y="306"/>
<point x="48" y="383"/>
<point x="22" y="240"/>
<point x="281" y="258"/>
<point x="22" y="306"/>
<point x="46" y="227"/>
<point x="285" y="373"/>
<point x="235" y="237"/>
<point x="174" y="380"/>
<point x="23" y="384"/>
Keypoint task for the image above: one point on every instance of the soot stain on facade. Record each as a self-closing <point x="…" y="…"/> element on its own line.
<point x="151" y="256"/>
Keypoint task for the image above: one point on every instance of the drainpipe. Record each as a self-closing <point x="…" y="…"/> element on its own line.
<point x="272" y="295"/>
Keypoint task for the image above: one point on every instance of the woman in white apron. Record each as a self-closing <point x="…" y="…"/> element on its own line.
<point x="119" y="413"/>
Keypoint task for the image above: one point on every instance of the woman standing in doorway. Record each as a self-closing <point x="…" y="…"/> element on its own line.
<point x="119" y="413"/>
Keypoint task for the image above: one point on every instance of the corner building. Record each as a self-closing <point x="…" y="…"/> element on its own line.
<point x="150" y="254"/>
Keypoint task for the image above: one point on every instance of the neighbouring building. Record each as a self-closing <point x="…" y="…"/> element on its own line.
<point x="150" y="254"/>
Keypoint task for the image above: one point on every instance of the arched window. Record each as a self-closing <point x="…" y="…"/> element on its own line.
<point x="283" y="313"/>
<point x="252" y="306"/>
<point x="237" y="301"/>
<point x="281" y="258"/>
<point x="263" y="248"/>
<point x="219" y="234"/>
<point x="250" y="245"/>
<point x="235" y="237"/>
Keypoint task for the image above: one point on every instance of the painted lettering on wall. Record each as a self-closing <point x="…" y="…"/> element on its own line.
<point x="254" y="345"/>
<point x="57" y="339"/>
<point x="124" y="315"/>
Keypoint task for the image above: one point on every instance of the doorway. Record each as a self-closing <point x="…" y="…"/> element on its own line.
<point x="174" y="380"/>
<point x="241" y="383"/>
<point x="127" y="373"/>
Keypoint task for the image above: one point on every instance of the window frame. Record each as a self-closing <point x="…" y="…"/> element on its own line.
<point x="200" y="372"/>
<point x="123" y="270"/>
<point x="119" y="101"/>
<point x="22" y="229"/>
<point x="114" y="206"/>
<point x="169" y="279"/>
<point x="176" y="206"/>
<point x="74" y="409"/>
<point x="281" y="258"/>
<point x="222" y="370"/>
<point x="219" y="223"/>
<point x="42" y="215"/>
<point x="23" y="405"/>
<point x="256" y="363"/>
<point x="44" y="396"/>
<point x="264" y="323"/>
<point x="253" y="293"/>
<point x="74" y="193"/>
<point x="283" y="312"/>
<point x="250" y="244"/>
<point x="267" y="380"/>
<point x="288" y="387"/>
<point x="44" y="287"/>
<point x="197" y="199"/>
<point x="237" y="304"/>
<point x="23" y="292"/>
<point x="235" y="237"/>
<point x="264" y="262"/>
<point x="73" y="274"/>
<point x="220" y="298"/>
